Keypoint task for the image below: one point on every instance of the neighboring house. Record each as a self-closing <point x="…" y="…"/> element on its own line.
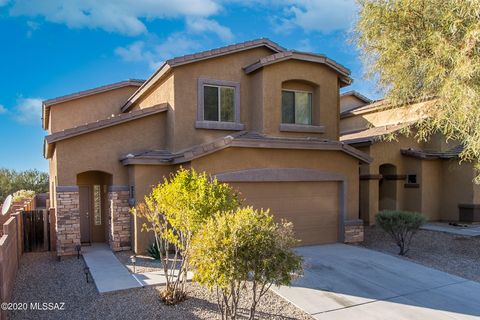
<point x="405" y="174"/>
<point x="255" y="115"/>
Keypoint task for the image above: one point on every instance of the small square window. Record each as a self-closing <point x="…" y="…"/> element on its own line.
<point x="412" y="179"/>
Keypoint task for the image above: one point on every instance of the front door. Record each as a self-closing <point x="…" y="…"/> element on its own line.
<point x="84" y="208"/>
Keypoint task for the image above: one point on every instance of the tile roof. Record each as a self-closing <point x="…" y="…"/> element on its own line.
<point x="240" y="139"/>
<point x="191" y="58"/>
<point x="224" y="50"/>
<point x="302" y="56"/>
<point x="357" y="95"/>
<point x="80" y="94"/>
<point x="432" y="154"/>
<point x="381" y="104"/>
<point x="105" y="123"/>
<point x="372" y="135"/>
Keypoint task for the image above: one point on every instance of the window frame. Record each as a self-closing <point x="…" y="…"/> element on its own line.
<point x="311" y="107"/>
<point x="201" y="123"/>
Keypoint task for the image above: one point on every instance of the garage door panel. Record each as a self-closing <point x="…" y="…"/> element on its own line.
<point x="311" y="206"/>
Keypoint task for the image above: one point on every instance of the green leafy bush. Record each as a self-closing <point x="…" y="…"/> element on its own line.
<point x="401" y="226"/>
<point x="174" y="211"/>
<point x="240" y="247"/>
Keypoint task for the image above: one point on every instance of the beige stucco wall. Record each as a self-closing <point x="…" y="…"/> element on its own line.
<point x="88" y="109"/>
<point x="442" y="184"/>
<point x="143" y="177"/>
<point x="102" y="149"/>
<point x="260" y="96"/>
<point x="325" y="96"/>
<point x="431" y="184"/>
<point x="52" y="168"/>
<point x="457" y="188"/>
<point x="228" y="68"/>
<point x="349" y="102"/>
<point x="234" y="159"/>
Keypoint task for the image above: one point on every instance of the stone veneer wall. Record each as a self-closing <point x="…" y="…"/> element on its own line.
<point x="68" y="220"/>
<point x="120" y="227"/>
<point x="353" y="231"/>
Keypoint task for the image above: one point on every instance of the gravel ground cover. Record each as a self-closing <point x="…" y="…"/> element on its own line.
<point x="454" y="254"/>
<point x="42" y="278"/>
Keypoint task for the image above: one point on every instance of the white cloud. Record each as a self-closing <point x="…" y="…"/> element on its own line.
<point x="202" y="25"/>
<point x="155" y="53"/>
<point x="319" y="15"/>
<point x="3" y="109"/>
<point x="122" y="16"/>
<point x="28" y="110"/>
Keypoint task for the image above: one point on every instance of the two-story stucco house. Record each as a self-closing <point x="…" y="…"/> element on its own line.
<point x="406" y="174"/>
<point x="253" y="114"/>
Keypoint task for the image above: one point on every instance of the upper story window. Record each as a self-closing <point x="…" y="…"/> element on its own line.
<point x="296" y="107"/>
<point x="218" y="105"/>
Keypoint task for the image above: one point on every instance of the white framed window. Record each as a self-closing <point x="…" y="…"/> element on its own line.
<point x="296" y="107"/>
<point x="218" y="105"/>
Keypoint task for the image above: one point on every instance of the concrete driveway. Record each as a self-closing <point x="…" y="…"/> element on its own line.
<point x="347" y="282"/>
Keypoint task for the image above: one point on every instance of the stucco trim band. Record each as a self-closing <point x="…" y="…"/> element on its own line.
<point x="278" y="174"/>
<point x="116" y="188"/>
<point x="67" y="189"/>
<point x="370" y="176"/>
<point x="291" y="175"/>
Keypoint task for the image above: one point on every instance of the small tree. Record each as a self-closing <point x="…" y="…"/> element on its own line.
<point x="174" y="211"/>
<point x="245" y="246"/>
<point x="401" y="226"/>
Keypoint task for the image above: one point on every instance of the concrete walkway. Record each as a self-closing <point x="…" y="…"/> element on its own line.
<point x="347" y="282"/>
<point x="108" y="273"/>
<point x="470" y="231"/>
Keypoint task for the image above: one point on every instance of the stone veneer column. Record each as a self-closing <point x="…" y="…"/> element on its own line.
<point x="68" y="220"/>
<point x="119" y="227"/>
<point x="353" y="231"/>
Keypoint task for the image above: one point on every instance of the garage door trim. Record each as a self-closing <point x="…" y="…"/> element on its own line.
<point x="293" y="175"/>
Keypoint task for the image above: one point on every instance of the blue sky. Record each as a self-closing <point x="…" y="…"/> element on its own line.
<point x="52" y="47"/>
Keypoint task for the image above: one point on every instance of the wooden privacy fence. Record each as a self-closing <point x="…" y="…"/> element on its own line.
<point x="10" y="253"/>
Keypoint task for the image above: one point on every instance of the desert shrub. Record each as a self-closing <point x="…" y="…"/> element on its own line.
<point x="240" y="247"/>
<point x="21" y="195"/>
<point x="174" y="211"/>
<point x="401" y="226"/>
<point x="154" y="251"/>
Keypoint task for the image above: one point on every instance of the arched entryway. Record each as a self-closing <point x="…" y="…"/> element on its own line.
<point x="93" y="188"/>
<point x="387" y="189"/>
